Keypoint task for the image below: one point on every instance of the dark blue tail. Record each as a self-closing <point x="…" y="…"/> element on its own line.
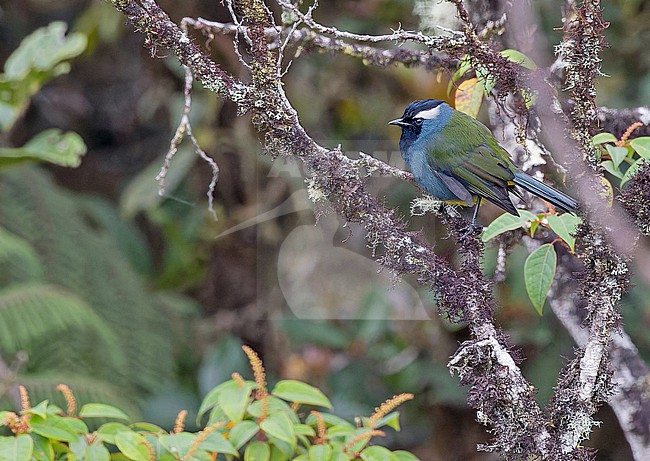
<point x="553" y="196"/>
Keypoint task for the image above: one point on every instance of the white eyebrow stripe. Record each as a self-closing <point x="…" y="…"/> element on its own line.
<point x="428" y="114"/>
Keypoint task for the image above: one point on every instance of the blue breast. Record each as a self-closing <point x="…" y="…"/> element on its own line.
<point x="415" y="145"/>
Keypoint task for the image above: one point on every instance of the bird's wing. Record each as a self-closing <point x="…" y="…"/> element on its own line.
<point x="485" y="173"/>
<point x="456" y="187"/>
<point x="467" y="151"/>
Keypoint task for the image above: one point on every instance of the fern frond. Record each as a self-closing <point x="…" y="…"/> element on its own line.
<point x="19" y="260"/>
<point x="32" y="311"/>
<point x="83" y="256"/>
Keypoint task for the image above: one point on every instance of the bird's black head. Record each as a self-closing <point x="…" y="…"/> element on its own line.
<point x="418" y="113"/>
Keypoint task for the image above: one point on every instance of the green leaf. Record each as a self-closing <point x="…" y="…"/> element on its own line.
<point x="631" y="171"/>
<point x="38" y="410"/>
<point x="529" y="97"/>
<point x="277" y="455"/>
<point x="95" y="451"/>
<point x="272" y="405"/>
<point x="242" y="433"/>
<point x="100" y="410"/>
<point x="464" y="65"/>
<point x="234" y="398"/>
<point x="108" y="431"/>
<point x="132" y="445"/>
<point x="539" y="271"/>
<point x="177" y="444"/>
<point x="257" y="451"/>
<point x="340" y="430"/>
<point x="361" y="434"/>
<point x="216" y="416"/>
<point x="390" y="420"/>
<point x="39" y="58"/>
<point x="54" y="427"/>
<point x="285" y="448"/>
<point x="217" y="442"/>
<point x="297" y="391"/>
<point x="304" y="429"/>
<point x="330" y="420"/>
<point x="486" y="78"/>
<point x="533" y="227"/>
<point x="54" y="146"/>
<point x="642" y="146"/>
<point x="612" y="169"/>
<point x="617" y="154"/>
<point x="340" y="455"/>
<point x="607" y="191"/>
<point x="43" y="450"/>
<point x="212" y="398"/>
<point x="320" y="452"/>
<point x="18" y="448"/>
<point x="76" y="425"/>
<point x="602" y="138"/>
<point x="8" y="114"/>
<point x="403" y="455"/>
<point x="147" y="427"/>
<point x="43" y="49"/>
<point x="507" y="222"/>
<point x="279" y="426"/>
<point x="519" y="58"/>
<point x="376" y="453"/>
<point x="565" y="226"/>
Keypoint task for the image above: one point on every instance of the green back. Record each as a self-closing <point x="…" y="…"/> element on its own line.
<point x="466" y="150"/>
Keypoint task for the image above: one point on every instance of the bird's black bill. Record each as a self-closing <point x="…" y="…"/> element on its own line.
<point x="399" y="122"/>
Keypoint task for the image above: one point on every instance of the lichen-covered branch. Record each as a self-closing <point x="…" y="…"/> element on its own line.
<point x="398" y="35"/>
<point x="585" y="382"/>
<point x="309" y="40"/>
<point x="579" y="56"/>
<point x="631" y="402"/>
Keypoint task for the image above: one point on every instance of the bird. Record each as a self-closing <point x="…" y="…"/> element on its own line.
<point x="456" y="159"/>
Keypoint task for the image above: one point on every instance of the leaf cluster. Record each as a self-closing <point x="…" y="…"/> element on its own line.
<point x="470" y="92"/>
<point x="242" y="420"/>
<point x="540" y="266"/>
<point x="41" y="56"/>
<point x="621" y="157"/>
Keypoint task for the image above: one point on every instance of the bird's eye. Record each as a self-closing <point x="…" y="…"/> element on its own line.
<point x="417" y="122"/>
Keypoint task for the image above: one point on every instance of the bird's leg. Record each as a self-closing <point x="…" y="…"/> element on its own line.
<point x="478" y="204"/>
<point x="472" y="226"/>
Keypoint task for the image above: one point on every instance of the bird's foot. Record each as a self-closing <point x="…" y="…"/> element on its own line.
<point x="471" y="230"/>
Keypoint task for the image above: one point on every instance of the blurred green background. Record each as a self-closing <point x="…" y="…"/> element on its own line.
<point x="143" y="301"/>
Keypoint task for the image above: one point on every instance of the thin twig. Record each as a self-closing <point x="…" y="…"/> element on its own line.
<point x="398" y="35"/>
<point x="307" y="38"/>
<point x="183" y="129"/>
